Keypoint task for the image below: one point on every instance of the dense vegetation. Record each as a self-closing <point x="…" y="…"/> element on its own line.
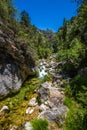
<point x="72" y="42"/>
<point x="18" y="104"/>
<point x="72" y="52"/>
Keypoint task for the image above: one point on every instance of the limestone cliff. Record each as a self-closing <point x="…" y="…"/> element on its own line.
<point x="16" y="62"/>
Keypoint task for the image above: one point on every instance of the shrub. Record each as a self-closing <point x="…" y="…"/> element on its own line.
<point x="44" y="52"/>
<point x="40" y="124"/>
<point x="72" y="56"/>
<point x="79" y="89"/>
<point x="68" y="91"/>
<point x="75" y="120"/>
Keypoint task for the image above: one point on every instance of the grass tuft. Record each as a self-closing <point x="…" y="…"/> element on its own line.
<point x="40" y="124"/>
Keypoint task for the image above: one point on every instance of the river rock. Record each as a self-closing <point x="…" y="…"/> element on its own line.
<point x="44" y="91"/>
<point x="56" y="114"/>
<point x="55" y="84"/>
<point x="14" y="128"/>
<point x="5" y="109"/>
<point x="28" y="126"/>
<point x="51" y="70"/>
<point x="49" y="104"/>
<point x="29" y="110"/>
<point x="44" y="63"/>
<point x="57" y="77"/>
<point x="58" y="81"/>
<point x="43" y="107"/>
<point x="46" y="85"/>
<point x="33" y="102"/>
<point x="43" y="94"/>
<point x="56" y="97"/>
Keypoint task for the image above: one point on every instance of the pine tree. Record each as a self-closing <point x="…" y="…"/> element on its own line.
<point x="25" y="19"/>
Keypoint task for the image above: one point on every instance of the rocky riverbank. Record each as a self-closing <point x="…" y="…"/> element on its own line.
<point x="46" y="101"/>
<point x="51" y="96"/>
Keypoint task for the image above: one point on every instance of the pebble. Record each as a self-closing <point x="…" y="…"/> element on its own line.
<point x="29" y="110"/>
<point x="4" y="109"/>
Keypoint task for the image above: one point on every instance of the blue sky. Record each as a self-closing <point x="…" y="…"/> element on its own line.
<point x="47" y="13"/>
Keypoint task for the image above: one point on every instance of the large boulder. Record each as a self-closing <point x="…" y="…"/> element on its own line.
<point x="44" y="91"/>
<point x="56" y="114"/>
<point x="16" y="62"/>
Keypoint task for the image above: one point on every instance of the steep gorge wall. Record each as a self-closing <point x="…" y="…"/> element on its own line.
<point x="16" y="62"/>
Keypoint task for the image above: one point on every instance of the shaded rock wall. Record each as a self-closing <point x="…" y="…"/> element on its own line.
<point x="16" y="62"/>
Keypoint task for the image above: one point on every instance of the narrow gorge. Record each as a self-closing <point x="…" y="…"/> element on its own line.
<point x="43" y="65"/>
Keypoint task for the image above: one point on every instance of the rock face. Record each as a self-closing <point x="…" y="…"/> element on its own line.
<point x="16" y="62"/>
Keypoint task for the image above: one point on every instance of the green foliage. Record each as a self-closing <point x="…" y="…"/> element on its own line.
<point x="3" y="10"/>
<point x="44" y="52"/>
<point x="7" y="10"/>
<point x="82" y="96"/>
<point x="71" y="44"/>
<point x="72" y="56"/>
<point x="40" y="124"/>
<point x="72" y="38"/>
<point x="76" y="100"/>
<point x="68" y="91"/>
<point x="76" y="117"/>
<point x="25" y="19"/>
<point x="23" y="31"/>
<point x="68" y="101"/>
<point x="17" y="104"/>
<point x="79" y="89"/>
<point x="52" y="39"/>
<point x="75" y="120"/>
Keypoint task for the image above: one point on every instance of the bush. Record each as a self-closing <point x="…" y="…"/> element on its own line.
<point x="44" y="52"/>
<point x="76" y="100"/>
<point x="68" y="91"/>
<point x="72" y="56"/>
<point x="79" y="89"/>
<point x="75" y="120"/>
<point x="40" y="124"/>
<point x="76" y="117"/>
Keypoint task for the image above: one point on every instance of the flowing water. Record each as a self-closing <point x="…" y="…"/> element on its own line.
<point x="42" y="70"/>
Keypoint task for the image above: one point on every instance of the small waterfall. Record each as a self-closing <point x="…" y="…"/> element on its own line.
<point x="42" y="70"/>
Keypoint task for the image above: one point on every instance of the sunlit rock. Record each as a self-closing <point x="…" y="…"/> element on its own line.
<point x="29" y="110"/>
<point x="28" y="126"/>
<point x="5" y="109"/>
<point x="43" y="107"/>
<point x="33" y="102"/>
